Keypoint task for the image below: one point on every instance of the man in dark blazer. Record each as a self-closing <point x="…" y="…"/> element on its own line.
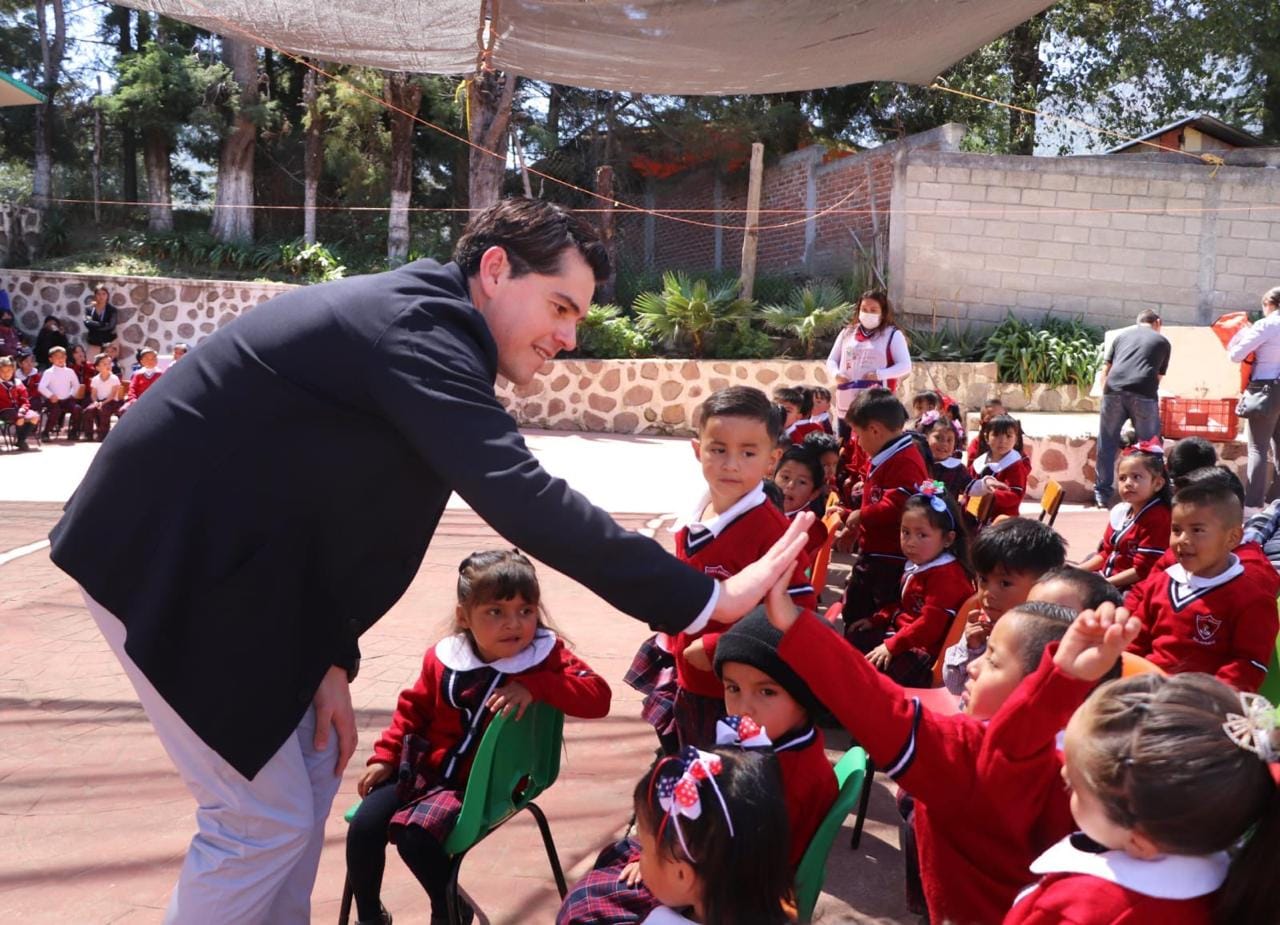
<point x="275" y="510"/>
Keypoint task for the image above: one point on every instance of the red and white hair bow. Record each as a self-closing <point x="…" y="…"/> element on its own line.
<point x="678" y="781"/>
<point x="1155" y="446"/>
<point x="742" y="731"/>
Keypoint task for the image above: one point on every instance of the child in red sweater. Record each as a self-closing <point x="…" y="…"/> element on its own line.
<point x="894" y="472"/>
<point x="800" y="477"/>
<point x="1204" y="613"/>
<point x="1003" y="470"/>
<point x="1174" y="787"/>
<point x="501" y="657"/>
<point x="1137" y="533"/>
<point x="905" y="639"/>
<point x="975" y="840"/>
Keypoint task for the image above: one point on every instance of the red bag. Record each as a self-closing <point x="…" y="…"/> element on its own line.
<point x="1227" y="327"/>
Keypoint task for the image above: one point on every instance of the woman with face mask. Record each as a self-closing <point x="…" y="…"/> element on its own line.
<point x="870" y="351"/>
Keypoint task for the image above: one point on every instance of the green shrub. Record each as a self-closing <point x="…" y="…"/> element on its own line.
<point x="947" y="344"/>
<point x="690" y="312"/>
<point x="1056" y="352"/>
<point x="313" y="262"/>
<point x="811" y="313"/>
<point x="606" y="334"/>
<point x="743" y="341"/>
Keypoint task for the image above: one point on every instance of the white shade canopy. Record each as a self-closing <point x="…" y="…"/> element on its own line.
<point x="646" y="46"/>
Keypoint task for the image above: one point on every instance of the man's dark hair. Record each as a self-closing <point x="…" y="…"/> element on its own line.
<point x="1188" y="455"/>
<point x="1023" y="546"/>
<point x="740" y="401"/>
<point x="535" y="234"/>
<point x="878" y="405"/>
<point x="793" y="394"/>
<point x="1094" y="590"/>
<point x="1148" y="316"/>
<point x="822" y="442"/>
<point x="1214" y="489"/>
<point x="1042" y="623"/>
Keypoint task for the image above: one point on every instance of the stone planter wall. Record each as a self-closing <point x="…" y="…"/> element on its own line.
<point x="152" y="311"/>
<point x="973" y="383"/>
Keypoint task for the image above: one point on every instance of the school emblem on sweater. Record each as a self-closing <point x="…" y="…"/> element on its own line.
<point x="875" y="493"/>
<point x="717" y="571"/>
<point x="1206" y="627"/>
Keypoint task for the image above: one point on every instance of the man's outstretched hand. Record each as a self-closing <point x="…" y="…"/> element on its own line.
<point x="742" y="592"/>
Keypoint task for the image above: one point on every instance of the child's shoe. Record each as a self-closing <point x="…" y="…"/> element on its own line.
<point x="465" y="914"/>
<point x="384" y="918"/>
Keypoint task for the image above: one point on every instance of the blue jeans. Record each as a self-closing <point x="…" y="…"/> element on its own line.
<point x="1118" y="407"/>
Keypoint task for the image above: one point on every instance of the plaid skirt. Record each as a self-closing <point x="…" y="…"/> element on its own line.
<point x="436" y="811"/>
<point x="600" y="898"/>
<point x="653" y="673"/>
<point x="695" y="718"/>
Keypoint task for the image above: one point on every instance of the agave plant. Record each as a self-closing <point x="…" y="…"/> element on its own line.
<point x="812" y="313"/>
<point x="690" y="310"/>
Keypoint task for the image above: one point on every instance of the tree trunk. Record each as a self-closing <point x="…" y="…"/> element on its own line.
<point x="1027" y="71"/>
<point x="155" y="155"/>
<point x="404" y="94"/>
<point x="491" y="94"/>
<point x="120" y="19"/>
<point x="233" y="208"/>
<point x="51" y="63"/>
<point x="313" y="158"/>
<point x="553" y="116"/>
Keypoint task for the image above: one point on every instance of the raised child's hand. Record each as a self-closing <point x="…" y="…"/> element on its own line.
<point x="1095" y="640"/>
<point x="779" y="607"/>
<point x="741" y="593"/>
<point x="374" y="775"/>
<point x="976" y="630"/>
<point x="511" y="696"/>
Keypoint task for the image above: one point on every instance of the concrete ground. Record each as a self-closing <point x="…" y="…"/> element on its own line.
<point x="94" y="821"/>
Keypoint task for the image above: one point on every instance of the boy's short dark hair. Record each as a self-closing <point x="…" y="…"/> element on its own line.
<point x="535" y="234"/>
<point x="1022" y="545"/>
<point x="794" y="395"/>
<point x="1094" y="590"/>
<point x="740" y="401"/>
<point x="880" y="406"/>
<point x="1214" y="475"/>
<point x="1042" y="623"/>
<point x="822" y="442"/>
<point x="1188" y="455"/>
<point x="1213" y="491"/>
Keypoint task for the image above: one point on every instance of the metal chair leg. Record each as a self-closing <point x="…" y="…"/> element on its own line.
<point x="344" y="911"/>
<point x="863" y="804"/>
<point x="550" y="845"/>
<point x="454" y="910"/>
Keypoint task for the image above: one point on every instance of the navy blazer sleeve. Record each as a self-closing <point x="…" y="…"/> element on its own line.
<point x="439" y="395"/>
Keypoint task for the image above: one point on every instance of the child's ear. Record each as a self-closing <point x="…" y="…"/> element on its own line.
<point x="1139" y="846"/>
<point x="461" y="619"/>
<point x="774" y="456"/>
<point x="697" y="448"/>
<point x="949" y="539"/>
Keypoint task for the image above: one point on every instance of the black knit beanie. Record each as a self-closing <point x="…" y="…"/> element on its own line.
<point x="754" y="641"/>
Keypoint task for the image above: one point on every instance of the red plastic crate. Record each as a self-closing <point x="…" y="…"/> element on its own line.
<point x="1211" y="418"/>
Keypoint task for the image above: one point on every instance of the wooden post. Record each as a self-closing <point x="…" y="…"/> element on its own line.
<point x="604" y="188"/>
<point x="97" y="155"/>
<point x="751" y="233"/>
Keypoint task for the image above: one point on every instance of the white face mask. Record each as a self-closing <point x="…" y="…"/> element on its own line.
<point x="868" y="320"/>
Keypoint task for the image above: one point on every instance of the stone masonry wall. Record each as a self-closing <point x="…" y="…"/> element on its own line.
<point x="1100" y="236"/>
<point x="152" y="312"/>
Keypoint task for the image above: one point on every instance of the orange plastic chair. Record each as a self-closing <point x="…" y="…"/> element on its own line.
<point x="823" y="559"/>
<point x="1050" y="501"/>
<point x="954" y="634"/>
<point x="980" y="507"/>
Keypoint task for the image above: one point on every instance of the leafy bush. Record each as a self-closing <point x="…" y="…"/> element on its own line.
<point x="743" y="341"/>
<point x="313" y="262"/>
<point x="606" y="334"/>
<point x="1056" y="352"/>
<point x="812" y="312"/>
<point x="947" y="345"/>
<point x="196" y="249"/>
<point x="690" y="311"/>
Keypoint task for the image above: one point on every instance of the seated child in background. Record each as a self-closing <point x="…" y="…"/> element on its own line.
<point x="500" y="657"/>
<point x="799" y="475"/>
<point x="904" y="639"/>
<point x="827" y="448"/>
<point x="1173" y="783"/>
<point x="821" y="412"/>
<point x="1003" y="469"/>
<point x="142" y="379"/>
<point x="102" y="398"/>
<point x="947" y="465"/>
<point x="992" y="407"/>
<point x="1137" y="533"/>
<point x="1008" y="558"/>
<point x="894" y="472"/>
<point x="15" y="404"/>
<point x="798" y="403"/>
<point x="922" y="403"/>
<point x="989" y="795"/>
<point x="1204" y="613"/>
<point x="1075" y="588"/>
<point x="733" y="526"/>
<point x="59" y="387"/>
<point x="1188" y="455"/>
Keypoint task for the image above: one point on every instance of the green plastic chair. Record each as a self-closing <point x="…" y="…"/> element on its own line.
<point x="1271" y="683"/>
<point x="812" y="872"/>
<point x="516" y="761"/>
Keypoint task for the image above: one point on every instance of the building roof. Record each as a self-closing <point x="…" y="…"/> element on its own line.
<point x="1202" y="123"/>
<point x="14" y="92"/>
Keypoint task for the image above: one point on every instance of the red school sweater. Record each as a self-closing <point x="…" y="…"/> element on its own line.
<point x="721" y="548"/>
<point x="1013" y="470"/>
<point x="931" y="596"/>
<point x="435" y="708"/>
<point x="1136" y="541"/>
<point x="893" y="475"/>
<point x="1257" y="568"/>
<point x="1224" y="626"/>
<point x="1084" y="884"/>
<point x="808" y="786"/>
<point x="989" y="796"/>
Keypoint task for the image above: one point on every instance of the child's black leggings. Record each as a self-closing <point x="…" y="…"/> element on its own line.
<point x="367" y="855"/>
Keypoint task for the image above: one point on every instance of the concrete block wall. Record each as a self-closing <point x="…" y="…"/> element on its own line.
<point x="1104" y="237"/>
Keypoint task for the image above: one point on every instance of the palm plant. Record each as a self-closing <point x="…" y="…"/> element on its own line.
<point x="812" y="313"/>
<point x="690" y="310"/>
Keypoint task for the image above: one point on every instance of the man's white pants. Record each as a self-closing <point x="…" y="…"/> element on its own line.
<point x="255" y="854"/>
